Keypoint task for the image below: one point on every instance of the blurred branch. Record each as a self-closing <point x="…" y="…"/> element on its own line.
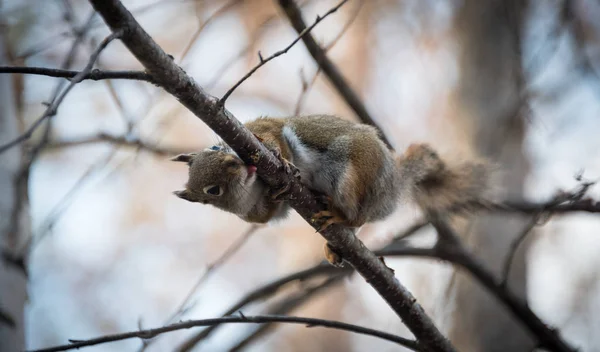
<point x="449" y="247"/>
<point x="21" y="180"/>
<point x="6" y="319"/>
<point x="174" y="80"/>
<point x="119" y="141"/>
<point x="569" y="18"/>
<point x="328" y="67"/>
<point x="94" y="75"/>
<point x="263" y="61"/>
<point x="562" y="203"/>
<point x="292" y="302"/>
<point x="514" y="246"/>
<point x="223" y="9"/>
<point x="227" y="254"/>
<point x="271" y="288"/>
<point x="307" y="86"/>
<point x="264" y="292"/>
<point x="257" y="319"/>
<point x="53" y="107"/>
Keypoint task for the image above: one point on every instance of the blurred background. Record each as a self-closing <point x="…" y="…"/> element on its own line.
<point x="112" y="250"/>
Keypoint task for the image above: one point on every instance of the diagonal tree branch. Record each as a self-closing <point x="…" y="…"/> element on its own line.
<point x="175" y="81"/>
<point x="94" y="75"/>
<point x="328" y="67"/>
<point x="449" y="247"/>
<point x="257" y="319"/>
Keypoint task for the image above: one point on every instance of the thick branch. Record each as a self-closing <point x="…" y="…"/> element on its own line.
<point x="95" y="75"/>
<point x="173" y="79"/>
<point x="257" y="319"/>
<point x="328" y="67"/>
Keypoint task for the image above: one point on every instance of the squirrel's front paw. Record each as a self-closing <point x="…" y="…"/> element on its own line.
<point x="326" y="218"/>
<point x="332" y="257"/>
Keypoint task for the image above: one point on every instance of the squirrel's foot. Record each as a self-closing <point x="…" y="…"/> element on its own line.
<point x="326" y="218"/>
<point x="279" y="194"/>
<point x="289" y="168"/>
<point x="332" y="257"/>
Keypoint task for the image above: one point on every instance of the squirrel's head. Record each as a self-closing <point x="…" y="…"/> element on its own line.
<point x="217" y="176"/>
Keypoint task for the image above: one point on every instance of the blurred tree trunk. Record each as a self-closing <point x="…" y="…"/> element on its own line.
<point x="13" y="280"/>
<point x="491" y="115"/>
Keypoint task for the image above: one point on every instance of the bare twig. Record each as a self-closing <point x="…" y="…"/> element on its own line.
<point x="223" y="9"/>
<point x="291" y="303"/>
<point x="257" y="319"/>
<point x="564" y="202"/>
<point x="58" y="209"/>
<point x="451" y="249"/>
<point x="271" y="288"/>
<point x="21" y="180"/>
<point x="123" y="141"/>
<point x="514" y="246"/>
<point x="94" y="75"/>
<point x="307" y="86"/>
<point x="270" y="169"/>
<point x="263" y="61"/>
<point x="584" y="205"/>
<point x="263" y="292"/>
<point x="328" y="67"/>
<point x="6" y="319"/>
<point x="52" y="109"/>
<point x="229" y="252"/>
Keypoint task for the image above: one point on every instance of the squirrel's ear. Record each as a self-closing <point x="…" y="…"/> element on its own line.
<point x="184" y="158"/>
<point x="185" y="194"/>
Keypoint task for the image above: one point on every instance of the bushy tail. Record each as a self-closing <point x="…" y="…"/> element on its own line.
<point x="436" y="186"/>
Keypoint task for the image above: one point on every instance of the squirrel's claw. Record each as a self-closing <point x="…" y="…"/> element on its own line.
<point x="326" y="218"/>
<point x="332" y="257"/>
<point x="278" y="194"/>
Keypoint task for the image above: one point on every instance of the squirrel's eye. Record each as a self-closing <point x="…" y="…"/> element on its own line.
<point x="215" y="147"/>
<point x="213" y="190"/>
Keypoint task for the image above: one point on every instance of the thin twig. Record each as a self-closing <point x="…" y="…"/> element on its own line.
<point x="450" y="248"/>
<point x="307" y="86"/>
<point x="124" y="141"/>
<point x="257" y="319"/>
<point x="514" y="246"/>
<point x="328" y="67"/>
<point x="271" y="288"/>
<point x="227" y="254"/>
<point x="52" y="109"/>
<point x="288" y="305"/>
<point x="223" y="9"/>
<point x="7" y="319"/>
<point x="260" y="293"/>
<point x="263" y="61"/>
<point x="94" y="75"/>
<point x="21" y="179"/>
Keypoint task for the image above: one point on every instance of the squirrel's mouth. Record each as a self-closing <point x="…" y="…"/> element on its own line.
<point x="250" y="171"/>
